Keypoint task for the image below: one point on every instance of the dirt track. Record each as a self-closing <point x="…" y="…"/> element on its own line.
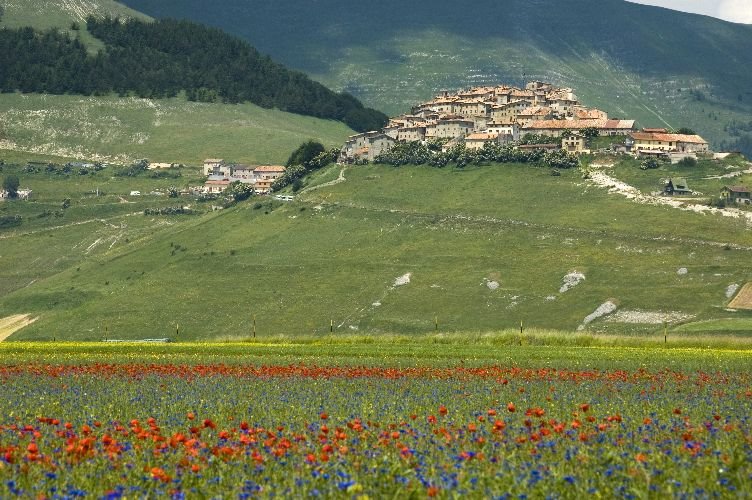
<point x="11" y="324"/>
<point x="743" y="299"/>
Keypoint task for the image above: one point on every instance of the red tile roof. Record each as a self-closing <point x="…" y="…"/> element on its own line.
<point x="692" y="139"/>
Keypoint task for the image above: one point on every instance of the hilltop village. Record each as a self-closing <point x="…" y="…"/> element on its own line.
<point x="503" y="115"/>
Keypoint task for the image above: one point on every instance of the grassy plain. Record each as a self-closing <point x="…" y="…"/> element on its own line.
<point x="485" y="249"/>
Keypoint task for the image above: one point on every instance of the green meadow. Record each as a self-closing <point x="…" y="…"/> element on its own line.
<point x="122" y="129"/>
<point x="390" y="251"/>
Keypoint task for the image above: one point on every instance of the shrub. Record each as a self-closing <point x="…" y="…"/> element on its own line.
<point x="687" y="162"/>
<point x="7" y="221"/>
<point x="649" y="164"/>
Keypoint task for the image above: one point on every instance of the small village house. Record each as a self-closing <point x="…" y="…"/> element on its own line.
<point x="740" y="195"/>
<point x="265" y="176"/>
<point x="243" y="173"/>
<point x="365" y="146"/>
<point x="642" y="142"/>
<point x="479" y="140"/>
<point x="215" y="166"/>
<point x="535" y="113"/>
<point x="574" y="143"/>
<point x="450" y="128"/>
<point x="555" y="128"/>
<point x="411" y="134"/>
<point x="677" y="186"/>
<point x="509" y="111"/>
<point x="507" y="132"/>
<point x="216" y="186"/>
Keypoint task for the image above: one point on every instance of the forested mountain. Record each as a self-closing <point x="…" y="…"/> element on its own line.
<point x="163" y="58"/>
<point x="662" y="67"/>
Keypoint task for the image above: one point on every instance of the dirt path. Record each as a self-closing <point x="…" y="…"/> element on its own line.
<point x="11" y="324"/>
<point x="79" y="223"/>
<point x="336" y="181"/>
<point x="743" y="299"/>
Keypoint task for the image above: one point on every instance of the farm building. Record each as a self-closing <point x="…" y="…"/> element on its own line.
<point x="677" y="185"/>
<point x="736" y="194"/>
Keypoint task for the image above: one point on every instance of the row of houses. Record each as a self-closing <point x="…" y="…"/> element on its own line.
<point x="220" y="174"/>
<point x="500" y="114"/>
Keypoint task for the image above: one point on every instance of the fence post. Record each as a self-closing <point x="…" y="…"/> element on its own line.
<point x="254" y="326"/>
<point x="331" y="326"/>
<point x="665" y="332"/>
<point x="177" y="330"/>
<point x="436" y="320"/>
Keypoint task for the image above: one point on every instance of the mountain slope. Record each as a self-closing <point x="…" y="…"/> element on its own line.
<point x="659" y="66"/>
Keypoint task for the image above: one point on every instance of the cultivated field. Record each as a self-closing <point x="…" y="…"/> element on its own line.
<point x="428" y="420"/>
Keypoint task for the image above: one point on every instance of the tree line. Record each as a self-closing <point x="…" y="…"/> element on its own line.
<point x="162" y="59"/>
<point x="415" y="153"/>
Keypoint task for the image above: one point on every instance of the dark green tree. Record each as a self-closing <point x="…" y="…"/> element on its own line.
<point x="305" y="153"/>
<point x="686" y="131"/>
<point x="10" y="184"/>
<point x="589" y="133"/>
<point x="239" y="191"/>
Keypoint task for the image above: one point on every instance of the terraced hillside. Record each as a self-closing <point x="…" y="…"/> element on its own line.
<point x="377" y="250"/>
<point x="662" y="67"/>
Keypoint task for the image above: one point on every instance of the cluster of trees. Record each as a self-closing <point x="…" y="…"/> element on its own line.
<point x="415" y="153"/>
<point x="162" y="59"/>
<point x="7" y="221"/>
<point x="308" y="157"/>
<point x="239" y="191"/>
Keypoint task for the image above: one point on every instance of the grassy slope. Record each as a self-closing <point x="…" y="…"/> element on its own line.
<point x="335" y="253"/>
<point x="168" y="130"/>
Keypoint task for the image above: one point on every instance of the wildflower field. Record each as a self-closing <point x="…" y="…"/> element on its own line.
<point x="299" y="420"/>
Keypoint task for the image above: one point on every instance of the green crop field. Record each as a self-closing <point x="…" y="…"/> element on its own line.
<point x="167" y="130"/>
<point x="387" y="251"/>
<point x="540" y="350"/>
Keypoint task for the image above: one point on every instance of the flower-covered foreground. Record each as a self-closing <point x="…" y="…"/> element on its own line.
<point x="134" y="430"/>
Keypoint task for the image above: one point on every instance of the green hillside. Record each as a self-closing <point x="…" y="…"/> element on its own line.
<point x="661" y="67"/>
<point x="387" y="250"/>
<point x="46" y="14"/>
<point x="163" y="130"/>
<point x="122" y="129"/>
